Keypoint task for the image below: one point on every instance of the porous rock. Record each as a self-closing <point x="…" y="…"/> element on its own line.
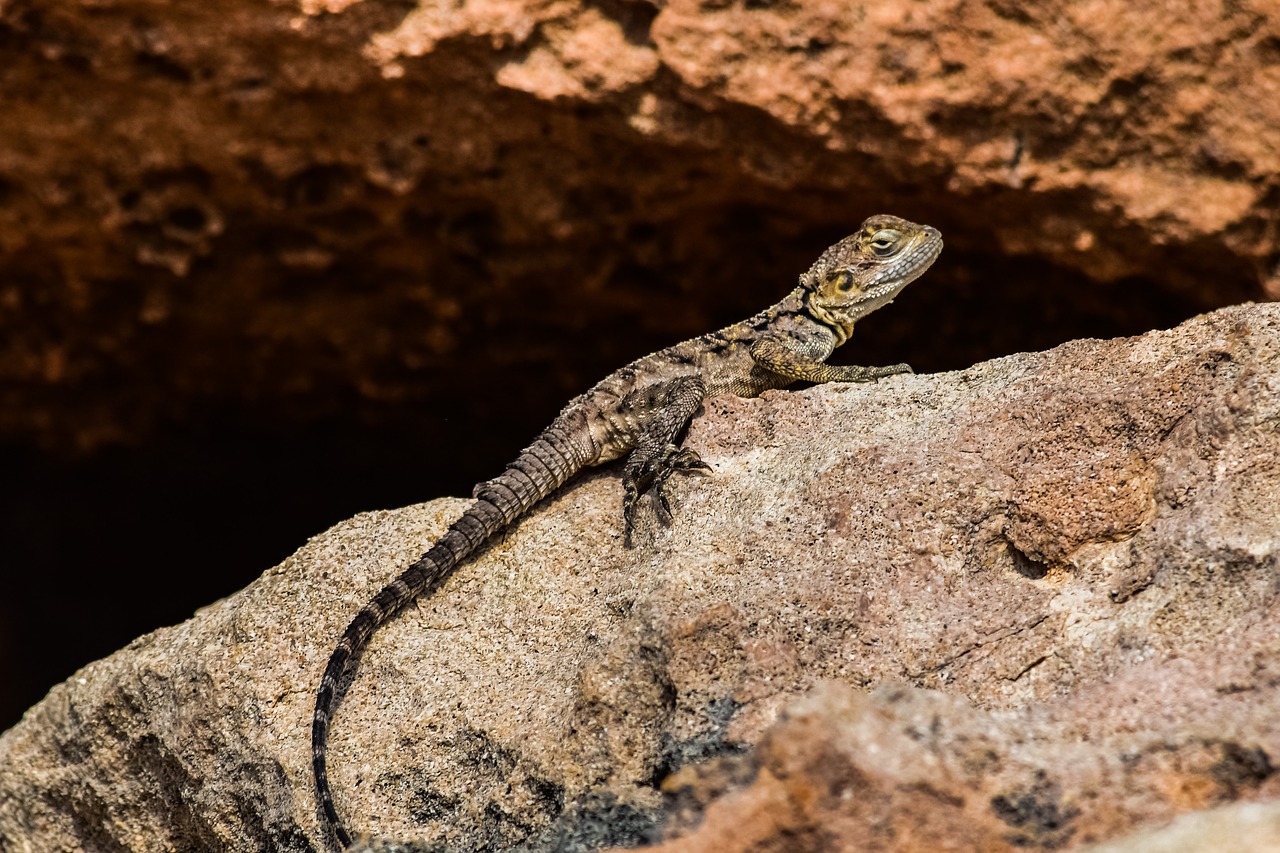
<point x="1029" y="605"/>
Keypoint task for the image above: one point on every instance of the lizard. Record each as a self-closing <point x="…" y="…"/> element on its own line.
<point x="640" y="411"/>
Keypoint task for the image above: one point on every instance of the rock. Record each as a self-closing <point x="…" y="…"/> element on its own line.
<point x="1251" y="827"/>
<point x="906" y="769"/>
<point x="1027" y="605"/>
<point x="402" y="198"/>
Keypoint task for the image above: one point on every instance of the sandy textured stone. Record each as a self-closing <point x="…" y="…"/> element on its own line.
<point x="340" y="207"/>
<point x="1247" y="827"/>
<point x="1028" y="605"/>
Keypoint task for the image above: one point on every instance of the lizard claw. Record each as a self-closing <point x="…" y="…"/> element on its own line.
<point x="685" y="459"/>
<point x="629" y="495"/>
<point x="662" y="506"/>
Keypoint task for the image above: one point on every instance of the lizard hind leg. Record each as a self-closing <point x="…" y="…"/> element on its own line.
<point x="666" y="410"/>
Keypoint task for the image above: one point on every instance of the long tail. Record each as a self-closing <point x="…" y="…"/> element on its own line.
<point x="561" y="451"/>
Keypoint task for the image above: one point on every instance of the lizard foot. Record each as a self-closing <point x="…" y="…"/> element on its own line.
<point x="678" y="459"/>
<point x="651" y="476"/>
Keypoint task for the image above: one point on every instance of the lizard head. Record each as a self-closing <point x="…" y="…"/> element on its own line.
<point x="867" y="269"/>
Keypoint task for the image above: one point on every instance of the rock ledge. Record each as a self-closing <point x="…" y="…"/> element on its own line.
<point x="1030" y="605"/>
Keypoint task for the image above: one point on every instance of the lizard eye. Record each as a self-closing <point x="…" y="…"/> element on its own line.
<point x="884" y="242"/>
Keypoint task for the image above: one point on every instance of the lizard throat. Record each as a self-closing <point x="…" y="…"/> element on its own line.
<point x="841" y="328"/>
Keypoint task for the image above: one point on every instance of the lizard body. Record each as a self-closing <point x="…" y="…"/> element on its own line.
<point x="640" y="410"/>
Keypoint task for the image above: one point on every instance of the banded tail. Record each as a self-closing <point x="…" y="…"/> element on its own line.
<point x="560" y="452"/>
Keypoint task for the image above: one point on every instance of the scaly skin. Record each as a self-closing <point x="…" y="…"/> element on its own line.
<point x="640" y="410"/>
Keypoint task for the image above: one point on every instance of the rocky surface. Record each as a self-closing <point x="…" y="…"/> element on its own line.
<point x="1030" y="605"/>
<point x="337" y="207"/>
<point x="1252" y="827"/>
<point x="363" y="231"/>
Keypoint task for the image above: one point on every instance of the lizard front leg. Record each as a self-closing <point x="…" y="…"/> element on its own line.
<point x="666" y="409"/>
<point x="775" y="355"/>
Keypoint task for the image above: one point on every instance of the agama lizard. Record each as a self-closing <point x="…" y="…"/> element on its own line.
<point x="641" y="410"/>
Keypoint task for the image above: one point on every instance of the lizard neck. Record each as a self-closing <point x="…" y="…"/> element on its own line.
<point x="799" y="316"/>
<point x="842" y="329"/>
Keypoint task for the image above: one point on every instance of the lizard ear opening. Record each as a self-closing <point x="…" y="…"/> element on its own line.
<point x="839" y="287"/>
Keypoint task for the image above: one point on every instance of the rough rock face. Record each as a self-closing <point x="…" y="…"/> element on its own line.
<point x="425" y="226"/>
<point x="346" y="205"/>
<point x="1030" y="605"/>
<point x="906" y="769"/>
